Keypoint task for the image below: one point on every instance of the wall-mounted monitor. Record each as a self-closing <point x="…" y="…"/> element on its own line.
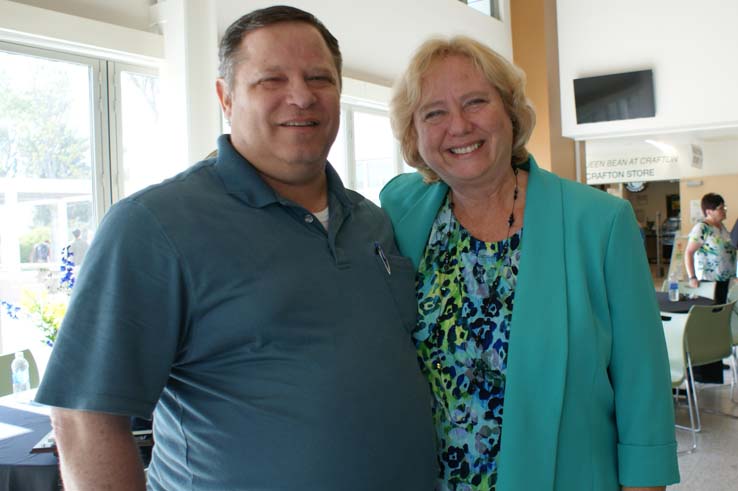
<point x="614" y="97"/>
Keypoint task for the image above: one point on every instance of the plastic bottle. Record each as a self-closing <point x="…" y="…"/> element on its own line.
<point x="19" y="370"/>
<point x="673" y="289"/>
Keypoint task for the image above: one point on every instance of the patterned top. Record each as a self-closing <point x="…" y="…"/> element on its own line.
<point x="715" y="259"/>
<point x="462" y="341"/>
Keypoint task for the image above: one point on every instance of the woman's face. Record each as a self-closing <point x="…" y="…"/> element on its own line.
<point x="718" y="214"/>
<point x="464" y="132"/>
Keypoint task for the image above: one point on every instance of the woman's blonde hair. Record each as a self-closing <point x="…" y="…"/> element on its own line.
<point x="508" y="79"/>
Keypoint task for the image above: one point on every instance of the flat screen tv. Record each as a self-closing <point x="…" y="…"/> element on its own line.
<point x="614" y="97"/>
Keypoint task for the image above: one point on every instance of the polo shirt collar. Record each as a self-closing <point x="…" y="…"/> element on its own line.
<point x="241" y="178"/>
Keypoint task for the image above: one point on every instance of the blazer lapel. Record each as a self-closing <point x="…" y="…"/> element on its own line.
<point x="413" y="228"/>
<point x="537" y="356"/>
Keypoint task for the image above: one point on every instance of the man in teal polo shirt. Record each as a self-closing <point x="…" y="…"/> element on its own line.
<point x="260" y="310"/>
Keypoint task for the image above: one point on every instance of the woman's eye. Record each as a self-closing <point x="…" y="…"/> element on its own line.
<point x="271" y="81"/>
<point x="432" y="115"/>
<point x="475" y="102"/>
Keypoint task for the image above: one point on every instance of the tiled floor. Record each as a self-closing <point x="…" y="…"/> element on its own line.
<point x="714" y="466"/>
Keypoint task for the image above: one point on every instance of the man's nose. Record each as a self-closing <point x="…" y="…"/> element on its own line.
<point x="300" y="94"/>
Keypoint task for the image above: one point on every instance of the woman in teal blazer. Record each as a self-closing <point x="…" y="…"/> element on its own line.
<point x="583" y="372"/>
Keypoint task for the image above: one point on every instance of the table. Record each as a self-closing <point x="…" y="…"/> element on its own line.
<point x="682" y="306"/>
<point x="22" y="425"/>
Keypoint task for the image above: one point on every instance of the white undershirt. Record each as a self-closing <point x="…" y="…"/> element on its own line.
<point x="322" y="217"/>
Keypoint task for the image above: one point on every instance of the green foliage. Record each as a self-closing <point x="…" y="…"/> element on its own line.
<point x="36" y="135"/>
<point x="79" y="215"/>
<point x="30" y="239"/>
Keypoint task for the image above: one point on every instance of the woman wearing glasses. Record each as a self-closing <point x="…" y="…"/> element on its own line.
<point x="710" y="256"/>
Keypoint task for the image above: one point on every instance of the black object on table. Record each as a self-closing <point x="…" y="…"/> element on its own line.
<point x="22" y="425"/>
<point x="682" y="306"/>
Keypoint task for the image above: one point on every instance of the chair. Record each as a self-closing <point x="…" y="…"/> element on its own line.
<point x="707" y="339"/>
<point x="6" y="383"/>
<point x="674" y="333"/>
<point x="733" y="297"/>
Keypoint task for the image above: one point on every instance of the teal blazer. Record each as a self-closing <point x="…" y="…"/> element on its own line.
<point x="588" y="399"/>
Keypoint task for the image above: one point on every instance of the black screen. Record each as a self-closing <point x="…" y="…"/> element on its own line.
<point x="613" y="97"/>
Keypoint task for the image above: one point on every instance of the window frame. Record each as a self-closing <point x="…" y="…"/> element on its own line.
<point x="106" y="112"/>
<point x="350" y="106"/>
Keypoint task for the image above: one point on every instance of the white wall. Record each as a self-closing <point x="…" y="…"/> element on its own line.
<point x="691" y="46"/>
<point x="377" y="37"/>
<point x="133" y="14"/>
<point x="52" y="29"/>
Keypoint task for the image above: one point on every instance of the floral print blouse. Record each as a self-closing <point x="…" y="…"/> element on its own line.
<point x="715" y="259"/>
<point x="466" y="289"/>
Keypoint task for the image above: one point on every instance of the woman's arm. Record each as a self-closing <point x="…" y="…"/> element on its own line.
<point x="689" y="252"/>
<point x="639" y="364"/>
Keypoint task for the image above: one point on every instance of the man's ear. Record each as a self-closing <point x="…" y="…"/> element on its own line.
<point x="224" y="96"/>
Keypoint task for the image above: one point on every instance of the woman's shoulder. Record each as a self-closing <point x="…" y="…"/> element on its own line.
<point x="402" y="183"/>
<point x="579" y="196"/>
<point x="699" y="227"/>
<point x="406" y="190"/>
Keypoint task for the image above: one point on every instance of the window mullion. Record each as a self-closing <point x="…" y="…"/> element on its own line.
<point x="102" y="193"/>
<point x="350" y="148"/>
<point x="114" y="131"/>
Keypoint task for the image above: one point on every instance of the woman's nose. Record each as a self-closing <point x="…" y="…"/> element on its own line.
<point x="459" y="124"/>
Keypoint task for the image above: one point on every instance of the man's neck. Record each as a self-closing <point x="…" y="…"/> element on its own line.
<point x="312" y="195"/>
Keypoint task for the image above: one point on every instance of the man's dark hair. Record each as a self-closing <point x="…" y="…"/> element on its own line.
<point x="710" y="201"/>
<point x="257" y="19"/>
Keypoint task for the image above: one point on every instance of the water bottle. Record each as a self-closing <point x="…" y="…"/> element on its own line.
<point x="19" y="370"/>
<point x="673" y="289"/>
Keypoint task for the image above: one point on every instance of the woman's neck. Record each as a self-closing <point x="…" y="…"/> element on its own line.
<point x="485" y="211"/>
<point x="712" y="222"/>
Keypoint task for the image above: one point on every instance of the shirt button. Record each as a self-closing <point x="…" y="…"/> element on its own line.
<point x="309" y="218"/>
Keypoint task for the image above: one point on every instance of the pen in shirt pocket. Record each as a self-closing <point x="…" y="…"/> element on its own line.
<point x="380" y="252"/>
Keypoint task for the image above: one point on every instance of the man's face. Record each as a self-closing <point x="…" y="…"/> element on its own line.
<point x="284" y="102"/>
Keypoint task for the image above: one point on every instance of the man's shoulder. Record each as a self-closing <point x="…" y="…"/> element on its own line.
<point x="199" y="176"/>
<point x="169" y="200"/>
<point x="363" y="206"/>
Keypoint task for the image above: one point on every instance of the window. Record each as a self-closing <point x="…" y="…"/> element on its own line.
<point x="76" y="134"/>
<point x="487" y="7"/>
<point x="365" y="154"/>
<point x="141" y="153"/>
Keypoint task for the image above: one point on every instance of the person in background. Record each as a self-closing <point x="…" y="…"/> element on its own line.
<point x="41" y="252"/>
<point x="78" y="247"/>
<point x="259" y="308"/>
<point x="734" y="234"/>
<point x="711" y="256"/>
<point x="538" y="327"/>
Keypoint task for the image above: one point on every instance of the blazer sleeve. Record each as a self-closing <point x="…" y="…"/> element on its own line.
<point x="639" y="366"/>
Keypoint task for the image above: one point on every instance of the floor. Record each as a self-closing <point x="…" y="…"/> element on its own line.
<point x="714" y="465"/>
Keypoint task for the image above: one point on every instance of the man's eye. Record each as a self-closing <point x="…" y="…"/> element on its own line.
<point x="320" y="80"/>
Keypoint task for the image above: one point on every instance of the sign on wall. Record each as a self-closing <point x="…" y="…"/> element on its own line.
<point x="659" y="158"/>
<point x="636" y="162"/>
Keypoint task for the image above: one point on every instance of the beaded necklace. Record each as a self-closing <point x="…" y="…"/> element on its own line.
<point x="510" y="222"/>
